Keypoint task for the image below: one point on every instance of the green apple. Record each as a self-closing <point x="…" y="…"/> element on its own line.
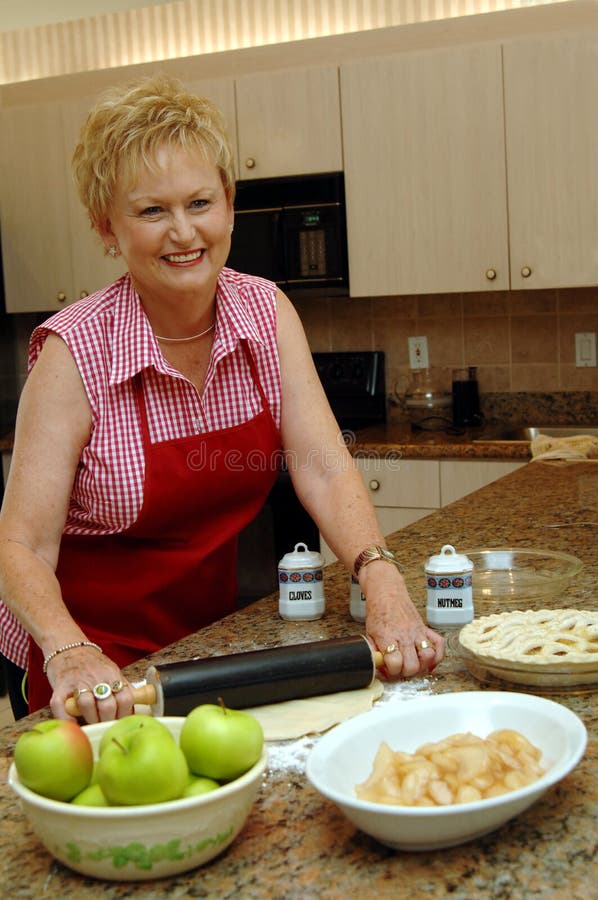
<point x="221" y="743"/>
<point x="127" y="724"/>
<point x="143" y="765"/>
<point x="90" y="796"/>
<point x="197" y="785"/>
<point x="54" y="759"/>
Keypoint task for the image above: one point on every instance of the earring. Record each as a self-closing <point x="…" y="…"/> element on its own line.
<point x="113" y="251"/>
<point x="230" y="228"/>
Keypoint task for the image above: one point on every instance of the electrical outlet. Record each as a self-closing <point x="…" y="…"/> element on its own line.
<point x="585" y="349"/>
<point x="418" y="352"/>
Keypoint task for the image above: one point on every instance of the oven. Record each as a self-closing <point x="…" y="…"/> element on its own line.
<point x="355" y="385"/>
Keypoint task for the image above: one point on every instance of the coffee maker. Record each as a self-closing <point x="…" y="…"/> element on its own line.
<point x="466" y="398"/>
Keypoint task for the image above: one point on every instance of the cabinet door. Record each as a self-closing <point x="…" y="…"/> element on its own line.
<point x="92" y="269"/>
<point x="425" y="173"/>
<point x="408" y="483"/>
<point x="221" y="91"/>
<point x="36" y="250"/>
<point x="551" y="86"/>
<point x="460" y="477"/>
<point x="289" y="123"/>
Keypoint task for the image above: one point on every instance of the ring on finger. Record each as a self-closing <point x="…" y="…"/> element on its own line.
<point x="424" y="645"/>
<point x="102" y="691"/>
<point x="78" y="691"/>
<point x="117" y="686"/>
<point x="391" y="649"/>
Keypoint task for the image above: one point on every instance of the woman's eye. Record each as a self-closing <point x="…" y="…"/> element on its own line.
<point x="151" y="211"/>
<point x="198" y="204"/>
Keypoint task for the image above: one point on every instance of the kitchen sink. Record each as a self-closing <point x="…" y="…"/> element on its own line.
<point x="528" y="433"/>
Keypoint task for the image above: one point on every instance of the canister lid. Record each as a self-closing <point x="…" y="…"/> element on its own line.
<point x="301" y="558"/>
<point x="448" y="560"/>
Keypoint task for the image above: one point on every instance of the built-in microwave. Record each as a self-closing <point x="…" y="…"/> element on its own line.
<point x="293" y="231"/>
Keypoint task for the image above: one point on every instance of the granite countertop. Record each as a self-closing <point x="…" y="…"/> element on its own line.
<point x="296" y="844"/>
<point x="472" y="443"/>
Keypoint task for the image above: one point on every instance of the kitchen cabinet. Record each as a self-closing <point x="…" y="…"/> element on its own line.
<point x="459" y="477"/>
<point x="402" y="491"/>
<point x="424" y="172"/>
<point x="551" y="118"/>
<point x="289" y="122"/>
<point x="405" y="490"/>
<point x="50" y="254"/>
<point x="221" y="91"/>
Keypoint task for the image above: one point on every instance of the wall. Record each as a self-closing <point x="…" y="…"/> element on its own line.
<point x="520" y="340"/>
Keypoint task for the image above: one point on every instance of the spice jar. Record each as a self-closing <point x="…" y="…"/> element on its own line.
<point x="300" y="580"/>
<point x="449" y="588"/>
<point x="356" y="601"/>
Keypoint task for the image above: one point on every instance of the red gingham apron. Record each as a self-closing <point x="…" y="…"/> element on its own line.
<point x="174" y="570"/>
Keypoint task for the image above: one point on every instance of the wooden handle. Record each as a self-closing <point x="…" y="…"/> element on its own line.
<point x="145" y="694"/>
<point x="378" y="658"/>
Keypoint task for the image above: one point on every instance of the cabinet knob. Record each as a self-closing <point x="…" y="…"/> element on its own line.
<point x="250" y="162"/>
<point x="490" y="274"/>
<point x="83" y="294"/>
<point x="374" y="485"/>
<point x="61" y="296"/>
<point x="526" y="272"/>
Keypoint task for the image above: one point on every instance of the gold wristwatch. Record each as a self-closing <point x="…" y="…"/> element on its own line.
<point x="372" y="553"/>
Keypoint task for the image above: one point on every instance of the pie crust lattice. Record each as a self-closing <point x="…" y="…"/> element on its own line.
<point x="536" y="639"/>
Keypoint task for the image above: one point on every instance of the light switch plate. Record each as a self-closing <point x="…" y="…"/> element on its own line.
<point x="585" y="349"/>
<point x="418" y="352"/>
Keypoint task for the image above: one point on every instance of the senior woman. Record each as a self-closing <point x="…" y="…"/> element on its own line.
<point x="119" y="524"/>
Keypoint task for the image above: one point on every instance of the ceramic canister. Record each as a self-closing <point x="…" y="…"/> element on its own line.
<point x="300" y="581"/>
<point x="449" y="588"/>
<point x="356" y="601"/>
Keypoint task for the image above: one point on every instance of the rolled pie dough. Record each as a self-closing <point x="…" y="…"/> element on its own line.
<point x="296" y="718"/>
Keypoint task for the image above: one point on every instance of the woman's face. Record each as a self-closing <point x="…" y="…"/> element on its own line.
<point x="173" y="227"/>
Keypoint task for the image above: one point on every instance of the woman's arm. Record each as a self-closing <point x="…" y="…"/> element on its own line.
<point x="331" y="488"/>
<point x="53" y="425"/>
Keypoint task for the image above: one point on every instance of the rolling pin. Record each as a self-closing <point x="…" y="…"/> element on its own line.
<point x="257" y="677"/>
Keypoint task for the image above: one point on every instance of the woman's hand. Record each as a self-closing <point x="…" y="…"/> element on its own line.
<point x="78" y="671"/>
<point x="394" y="625"/>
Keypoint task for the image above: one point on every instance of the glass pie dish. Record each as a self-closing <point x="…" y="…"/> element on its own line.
<point x="507" y="578"/>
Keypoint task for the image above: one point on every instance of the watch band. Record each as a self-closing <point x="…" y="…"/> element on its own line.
<point x="372" y="553"/>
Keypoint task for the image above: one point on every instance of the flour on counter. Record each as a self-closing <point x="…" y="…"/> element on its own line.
<point x="291" y="756"/>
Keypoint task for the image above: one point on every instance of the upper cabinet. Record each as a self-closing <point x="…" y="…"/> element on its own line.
<point x="221" y="91"/>
<point x="50" y="254"/>
<point x="289" y="123"/>
<point x="425" y="172"/>
<point x="551" y="89"/>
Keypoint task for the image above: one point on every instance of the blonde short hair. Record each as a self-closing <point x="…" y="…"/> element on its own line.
<point x="126" y="127"/>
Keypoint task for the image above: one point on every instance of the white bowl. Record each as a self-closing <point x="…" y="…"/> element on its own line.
<point x="131" y="843"/>
<point x="344" y="756"/>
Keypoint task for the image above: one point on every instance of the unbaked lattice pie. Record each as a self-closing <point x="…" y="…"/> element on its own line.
<point x="536" y="640"/>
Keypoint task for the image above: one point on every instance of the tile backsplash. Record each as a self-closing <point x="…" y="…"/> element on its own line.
<point x="521" y="341"/>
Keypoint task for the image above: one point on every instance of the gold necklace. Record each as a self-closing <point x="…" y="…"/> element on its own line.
<point x="187" y="340"/>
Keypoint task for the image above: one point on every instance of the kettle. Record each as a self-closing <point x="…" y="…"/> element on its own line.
<point x="427" y="401"/>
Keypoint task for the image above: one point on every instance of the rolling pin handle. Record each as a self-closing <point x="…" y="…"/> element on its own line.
<point x="144" y="694"/>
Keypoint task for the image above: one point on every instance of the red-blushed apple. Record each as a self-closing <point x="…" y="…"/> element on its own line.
<point x="197" y="784"/>
<point x="221" y="743"/>
<point x="142" y="765"/>
<point x="90" y="796"/>
<point x="54" y="759"/>
<point x="128" y="724"/>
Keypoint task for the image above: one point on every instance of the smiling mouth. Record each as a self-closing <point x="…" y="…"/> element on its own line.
<point x="182" y="258"/>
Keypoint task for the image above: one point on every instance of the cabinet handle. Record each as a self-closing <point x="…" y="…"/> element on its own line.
<point x="526" y="272"/>
<point x="490" y="274"/>
<point x="83" y="294"/>
<point x="250" y="162"/>
<point x="61" y="296"/>
<point x="374" y="485"/>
